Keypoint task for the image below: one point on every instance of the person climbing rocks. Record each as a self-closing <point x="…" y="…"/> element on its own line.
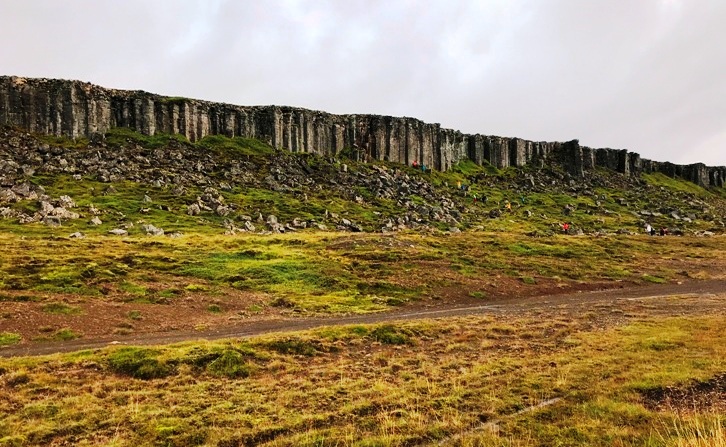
<point x="474" y="196"/>
<point x="508" y="206"/>
<point x="415" y="164"/>
<point x="458" y="184"/>
<point x="566" y="228"/>
<point x="648" y="228"/>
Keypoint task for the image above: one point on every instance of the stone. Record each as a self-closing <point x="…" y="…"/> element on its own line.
<point x="52" y="221"/>
<point x="152" y="230"/>
<point x="76" y="235"/>
<point x="119" y="232"/>
<point x="8" y="196"/>
<point x="193" y="210"/>
<point x="95" y="221"/>
<point x="46" y="208"/>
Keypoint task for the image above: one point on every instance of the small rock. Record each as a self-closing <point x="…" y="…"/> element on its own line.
<point x="76" y="235"/>
<point x="119" y="232"/>
<point x="96" y="221"/>
<point x="52" y="221"/>
<point x="193" y="209"/>
<point x="152" y="230"/>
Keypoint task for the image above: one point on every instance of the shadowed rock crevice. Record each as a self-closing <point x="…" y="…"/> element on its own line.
<point x="77" y="109"/>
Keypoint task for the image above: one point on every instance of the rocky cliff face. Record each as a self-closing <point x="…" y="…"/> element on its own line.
<point x="75" y="109"/>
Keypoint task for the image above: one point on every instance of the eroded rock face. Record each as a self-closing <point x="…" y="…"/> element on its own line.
<point x="75" y="109"/>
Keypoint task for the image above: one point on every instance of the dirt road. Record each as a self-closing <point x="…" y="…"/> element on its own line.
<point x="576" y="302"/>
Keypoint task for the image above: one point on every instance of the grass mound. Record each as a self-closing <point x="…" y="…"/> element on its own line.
<point x="138" y="363"/>
<point x="230" y="364"/>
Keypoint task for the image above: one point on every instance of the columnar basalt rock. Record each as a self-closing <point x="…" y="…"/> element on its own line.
<point x="76" y="109"/>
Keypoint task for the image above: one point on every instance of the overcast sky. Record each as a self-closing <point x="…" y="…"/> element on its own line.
<point x="643" y="75"/>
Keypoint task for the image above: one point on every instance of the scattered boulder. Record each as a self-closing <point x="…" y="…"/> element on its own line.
<point x="152" y="230"/>
<point x="119" y="232"/>
<point x="193" y="210"/>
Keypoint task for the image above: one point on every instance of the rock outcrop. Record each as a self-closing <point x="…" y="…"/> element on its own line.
<point x="77" y="109"/>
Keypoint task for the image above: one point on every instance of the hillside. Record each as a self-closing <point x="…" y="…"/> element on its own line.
<point x="128" y="181"/>
<point x="224" y="291"/>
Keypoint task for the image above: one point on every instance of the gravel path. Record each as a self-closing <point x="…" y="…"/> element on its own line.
<point x="512" y="305"/>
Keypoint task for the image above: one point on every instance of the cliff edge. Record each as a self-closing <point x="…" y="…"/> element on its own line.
<point x="78" y="109"/>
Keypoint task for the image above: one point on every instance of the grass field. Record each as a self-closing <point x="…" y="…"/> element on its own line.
<point x="460" y="381"/>
<point x="625" y="372"/>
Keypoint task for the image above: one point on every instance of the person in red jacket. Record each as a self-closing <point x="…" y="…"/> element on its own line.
<point x="566" y="228"/>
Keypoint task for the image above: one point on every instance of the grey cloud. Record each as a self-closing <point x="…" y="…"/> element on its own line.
<point x="645" y="75"/>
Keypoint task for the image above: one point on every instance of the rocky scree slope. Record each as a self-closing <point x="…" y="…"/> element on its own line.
<point x="124" y="181"/>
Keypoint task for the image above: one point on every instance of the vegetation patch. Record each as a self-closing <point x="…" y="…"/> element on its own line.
<point x="214" y="308"/>
<point x="9" y="338"/>
<point x="139" y="363"/>
<point x="391" y="335"/>
<point x="65" y="334"/>
<point x="60" y="309"/>
<point x="293" y="346"/>
<point x="229" y="364"/>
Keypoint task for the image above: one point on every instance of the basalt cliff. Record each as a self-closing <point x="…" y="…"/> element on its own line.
<point x="78" y="109"/>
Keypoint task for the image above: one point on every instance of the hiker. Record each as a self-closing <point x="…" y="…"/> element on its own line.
<point x="523" y="199"/>
<point x="566" y="228"/>
<point x="508" y="206"/>
<point x="423" y="168"/>
<point x="458" y="184"/>
<point x="415" y="164"/>
<point x="648" y="229"/>
<point x="663" y="231"/>
<point x="474" y="195"/>
<point x="652" y="231"/>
